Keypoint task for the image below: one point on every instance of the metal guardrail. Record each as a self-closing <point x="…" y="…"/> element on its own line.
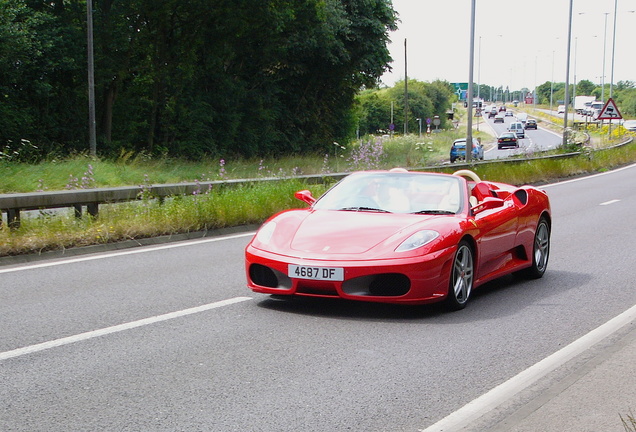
<point x="13" y="204"/>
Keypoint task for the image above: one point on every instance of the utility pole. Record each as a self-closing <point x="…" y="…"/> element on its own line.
<point x="91" y="81"/>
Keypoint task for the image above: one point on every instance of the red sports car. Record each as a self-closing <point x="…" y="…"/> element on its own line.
<point x="402" y="237"/>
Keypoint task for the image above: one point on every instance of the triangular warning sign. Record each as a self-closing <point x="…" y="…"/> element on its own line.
<point x="610" y="111"/>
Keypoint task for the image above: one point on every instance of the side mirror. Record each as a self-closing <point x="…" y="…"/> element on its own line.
<point x="305" y="196"/>
<point x="487" y="204"/>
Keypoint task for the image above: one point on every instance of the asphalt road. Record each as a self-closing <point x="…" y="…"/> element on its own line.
<point x="535" y="140"/>
<point x="167" y="338"/>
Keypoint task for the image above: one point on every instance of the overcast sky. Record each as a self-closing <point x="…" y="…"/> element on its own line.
<point x="523" y="44"/>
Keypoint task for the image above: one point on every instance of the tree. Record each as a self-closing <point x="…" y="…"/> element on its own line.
<point x="585" y="87"/>
<point x="426" y="100"/>
<point x="41" y="47"/>
<point x="191" y="77"/>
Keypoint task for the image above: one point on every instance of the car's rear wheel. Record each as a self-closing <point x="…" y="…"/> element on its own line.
<point x="540" y="251"/>
<point x="461" y="277"/>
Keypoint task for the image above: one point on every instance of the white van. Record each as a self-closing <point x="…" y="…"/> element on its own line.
<point x="517" y="127"/>
<point x="522" y="117"/>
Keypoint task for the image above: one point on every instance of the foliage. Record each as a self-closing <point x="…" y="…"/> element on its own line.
<point x="425" y="100"/>
<point x="584" y="88"/>
<point x="190" y="77"/>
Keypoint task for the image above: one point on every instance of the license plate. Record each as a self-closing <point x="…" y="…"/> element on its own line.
<point x="315" y="273"/>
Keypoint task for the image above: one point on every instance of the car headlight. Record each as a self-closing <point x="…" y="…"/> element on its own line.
<point x="264" y="234"/>
<point x="417" y="240"/>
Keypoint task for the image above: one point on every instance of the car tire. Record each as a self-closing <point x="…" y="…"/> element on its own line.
<point x="461" y="277"/>
<point x="540" y="251"/>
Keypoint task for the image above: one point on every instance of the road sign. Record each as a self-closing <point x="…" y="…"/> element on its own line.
<point x="460" y="89"/>
<point x="610" y="111"/>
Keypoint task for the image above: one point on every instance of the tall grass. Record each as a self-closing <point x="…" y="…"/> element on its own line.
<point x="226" y="207"/>
<point x="132" y="170"/>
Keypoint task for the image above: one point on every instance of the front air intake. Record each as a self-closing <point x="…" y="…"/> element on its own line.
<point x="390" y="284"/>
<point x="263" y="276"/>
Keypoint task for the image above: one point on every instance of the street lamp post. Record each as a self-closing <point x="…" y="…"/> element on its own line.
<point x="604" y="47"/>
<point x="576" y="42"/>
<point x="471" y="61"/>
<point x="406" y="94"/>
<point x="567" y="78"/>
<point x="552" y="82"/>
<point x="479" y="82"/>
<point x="613" y="48"/>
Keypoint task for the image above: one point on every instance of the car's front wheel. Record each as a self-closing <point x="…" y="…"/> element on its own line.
<point x="461" y="277"/>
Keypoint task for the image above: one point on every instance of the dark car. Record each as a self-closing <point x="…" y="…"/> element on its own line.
<point x="507" y="140"/>
<point x="492" y="112"/>
<point x="531" y="124"/>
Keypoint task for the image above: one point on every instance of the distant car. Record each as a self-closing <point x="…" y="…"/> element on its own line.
<point x="507" y="140"/>
<point x="492" y="112"/>
<point x="517" y="127"/>
<point x="531" y="124"/>
<point x="502" y="108"/>
<point x="499" y="118"/>
<point x="561" y="109"/>
<point x="509" y="114"/>
<point x="458" y="150"/>
<point x="630" y="125"/>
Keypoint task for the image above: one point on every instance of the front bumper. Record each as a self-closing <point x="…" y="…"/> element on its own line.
<point x="411" y="280"/>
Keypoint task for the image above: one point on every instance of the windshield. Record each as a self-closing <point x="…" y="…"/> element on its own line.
<point x="395" y="193"/>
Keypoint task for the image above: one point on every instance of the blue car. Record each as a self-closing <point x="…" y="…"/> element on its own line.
<point x="458" y="150"/>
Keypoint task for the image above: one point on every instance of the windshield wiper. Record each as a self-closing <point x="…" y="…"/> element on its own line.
<point x="369" y="209"/>
<point x="435" y="212"/>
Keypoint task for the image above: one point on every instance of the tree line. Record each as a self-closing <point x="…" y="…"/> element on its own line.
<point x="623" y="93"/>
<point x="189" y="78"/>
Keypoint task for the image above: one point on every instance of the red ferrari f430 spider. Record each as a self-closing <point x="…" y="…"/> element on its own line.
<point x="402" y="237"/>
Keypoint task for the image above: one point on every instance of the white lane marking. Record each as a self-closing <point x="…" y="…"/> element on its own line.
<point x="125" y="252"/>
<point x="503" y="392"/>
<point x="609" y="202"/>
<point x="117" y="328"/>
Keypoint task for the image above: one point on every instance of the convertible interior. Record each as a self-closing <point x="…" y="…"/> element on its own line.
<point x="481" y="189"/>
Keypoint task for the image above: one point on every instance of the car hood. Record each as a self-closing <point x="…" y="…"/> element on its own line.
<point x="346" y="234"/>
